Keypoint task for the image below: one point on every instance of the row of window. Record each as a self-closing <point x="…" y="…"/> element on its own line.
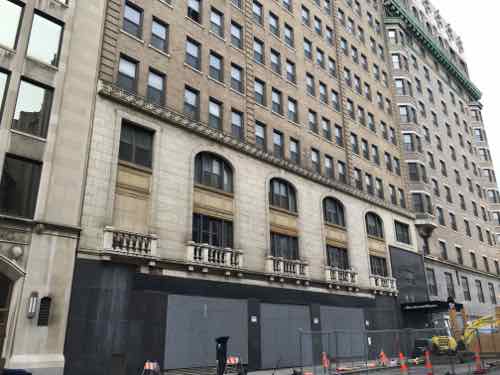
<point x="440" y="215"/>
<point x="464" y="282"/>
<point x="400" y="62"/>
<point x="401" y="38"/>
<point x="443" y="253"/>
<point x="215" y="172"/>
<point x="45" y="35"/>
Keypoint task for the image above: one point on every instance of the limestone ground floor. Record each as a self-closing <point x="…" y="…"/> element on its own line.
<point x="36" y="270"/>
<point x="121" y="317"/>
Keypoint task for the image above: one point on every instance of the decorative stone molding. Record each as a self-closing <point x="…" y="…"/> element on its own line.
<point x="139" y="103"/>
<point x="395" y="9"/>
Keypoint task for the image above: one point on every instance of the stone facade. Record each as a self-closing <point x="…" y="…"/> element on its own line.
<point x="447" y="132"/>
<point x="38" y="253"/>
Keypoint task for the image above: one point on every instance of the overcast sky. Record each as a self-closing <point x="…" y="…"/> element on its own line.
<point x="477" y="23"/>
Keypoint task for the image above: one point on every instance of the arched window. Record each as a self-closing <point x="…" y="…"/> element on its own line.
<point x="213" y="171"/>
<point x="282" y="195"/>
<point x="374" y="225"/>
<point x="334" y="212"/>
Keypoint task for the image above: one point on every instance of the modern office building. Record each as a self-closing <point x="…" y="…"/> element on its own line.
<point x="452" y="182"/>
<point x="44" y="136"/>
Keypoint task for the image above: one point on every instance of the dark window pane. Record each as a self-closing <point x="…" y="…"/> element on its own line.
<point x="284" y="246"/>
<point x="159" y="36"/>
<point x="136" y="145"/>
<point x="212" y="231"/>
<point x="32" y="109"/>
<point x="156" y="88"/>
<point x="212" y="171"/>
<point x="19" y="187"/>
<point x="45" y="40"/>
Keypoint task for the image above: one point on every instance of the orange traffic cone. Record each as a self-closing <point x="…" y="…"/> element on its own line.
<point x="403" y="366"/>
<point x="384" y="361"/>
<point x="428" y="363"/>
<point x="477" y="359"/>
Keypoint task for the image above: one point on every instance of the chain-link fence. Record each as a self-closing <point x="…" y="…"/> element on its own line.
<point x="413" y="351"/>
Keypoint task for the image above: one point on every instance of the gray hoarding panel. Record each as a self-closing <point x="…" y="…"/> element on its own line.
<point x="342" y="332"/>
<point x="280" y="341"/>
<point x="193" y="323"/>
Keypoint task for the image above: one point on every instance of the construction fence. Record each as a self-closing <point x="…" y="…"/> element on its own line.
<point x="415" y="351"/>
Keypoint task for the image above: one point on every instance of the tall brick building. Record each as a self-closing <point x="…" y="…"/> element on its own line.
<point x="245" y="168"/>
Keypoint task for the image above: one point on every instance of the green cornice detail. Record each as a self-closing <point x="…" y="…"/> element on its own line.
<point x="396" y="10"/>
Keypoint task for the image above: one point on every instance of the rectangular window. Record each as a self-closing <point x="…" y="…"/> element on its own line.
<point x="277" y="101"/>
<point x="378" y="266"/>
<point x="156" y="88"/>
<point x="293" y="114"/>
<point x="493" y="296"/>
<point x="236" y="78"/>
<point x="136" y="145"/>
<point x="33" y="109"/>
<point x="337" y="257"/>
<point x="45" y="40"/>
<point x="283" y="246"/>
<point x="193" y="53"/>
<point x="215" y="111"/>
<point x="316" y="166"/>
<point x="465" y="287"/>
<point x="450" y="286"/>
<point x="192" y="103"/>
<point x="213" y="231"/>
<point x="480" y="293"/>
<point x="431" y="282"/>
<point x="132" y="20"/>
<point x="329" y="172"/>
<point x="217" y="22"/>
<point x="19" y="186"/>
<point x="159" y="35"/>
<point x="9" y="30"/>
<point x="260" y="136"/>
<point x="127" y="74"/>
<point x="294" y="151"/>
<point x="216" y="67"/>
<point x="278" y="149"/>
<point x="237" y="125"/>
<point x="257" y="12"/>
<point x="194" y="10"/>
<point x="260" y="92"/>
<point x="258" y="51"/>
<point x="402" y="232"/>
<point x="236" y="35"/>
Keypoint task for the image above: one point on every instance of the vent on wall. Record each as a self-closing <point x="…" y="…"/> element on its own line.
<point x="44" y="311"/>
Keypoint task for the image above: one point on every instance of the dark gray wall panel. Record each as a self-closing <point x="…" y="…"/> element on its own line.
<point x="280" y="339"/>
<point x="343" y="336"/>
<point x="193" y="323"/>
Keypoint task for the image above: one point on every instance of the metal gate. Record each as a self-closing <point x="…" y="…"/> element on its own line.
<point x="193" y="323"/>
<point x="280" y="343"/>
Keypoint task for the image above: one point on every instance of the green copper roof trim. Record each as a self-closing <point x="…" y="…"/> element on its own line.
<point x="397" y="10"/>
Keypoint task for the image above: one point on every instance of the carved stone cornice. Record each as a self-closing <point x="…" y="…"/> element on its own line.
<point x="172" y="117"/>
